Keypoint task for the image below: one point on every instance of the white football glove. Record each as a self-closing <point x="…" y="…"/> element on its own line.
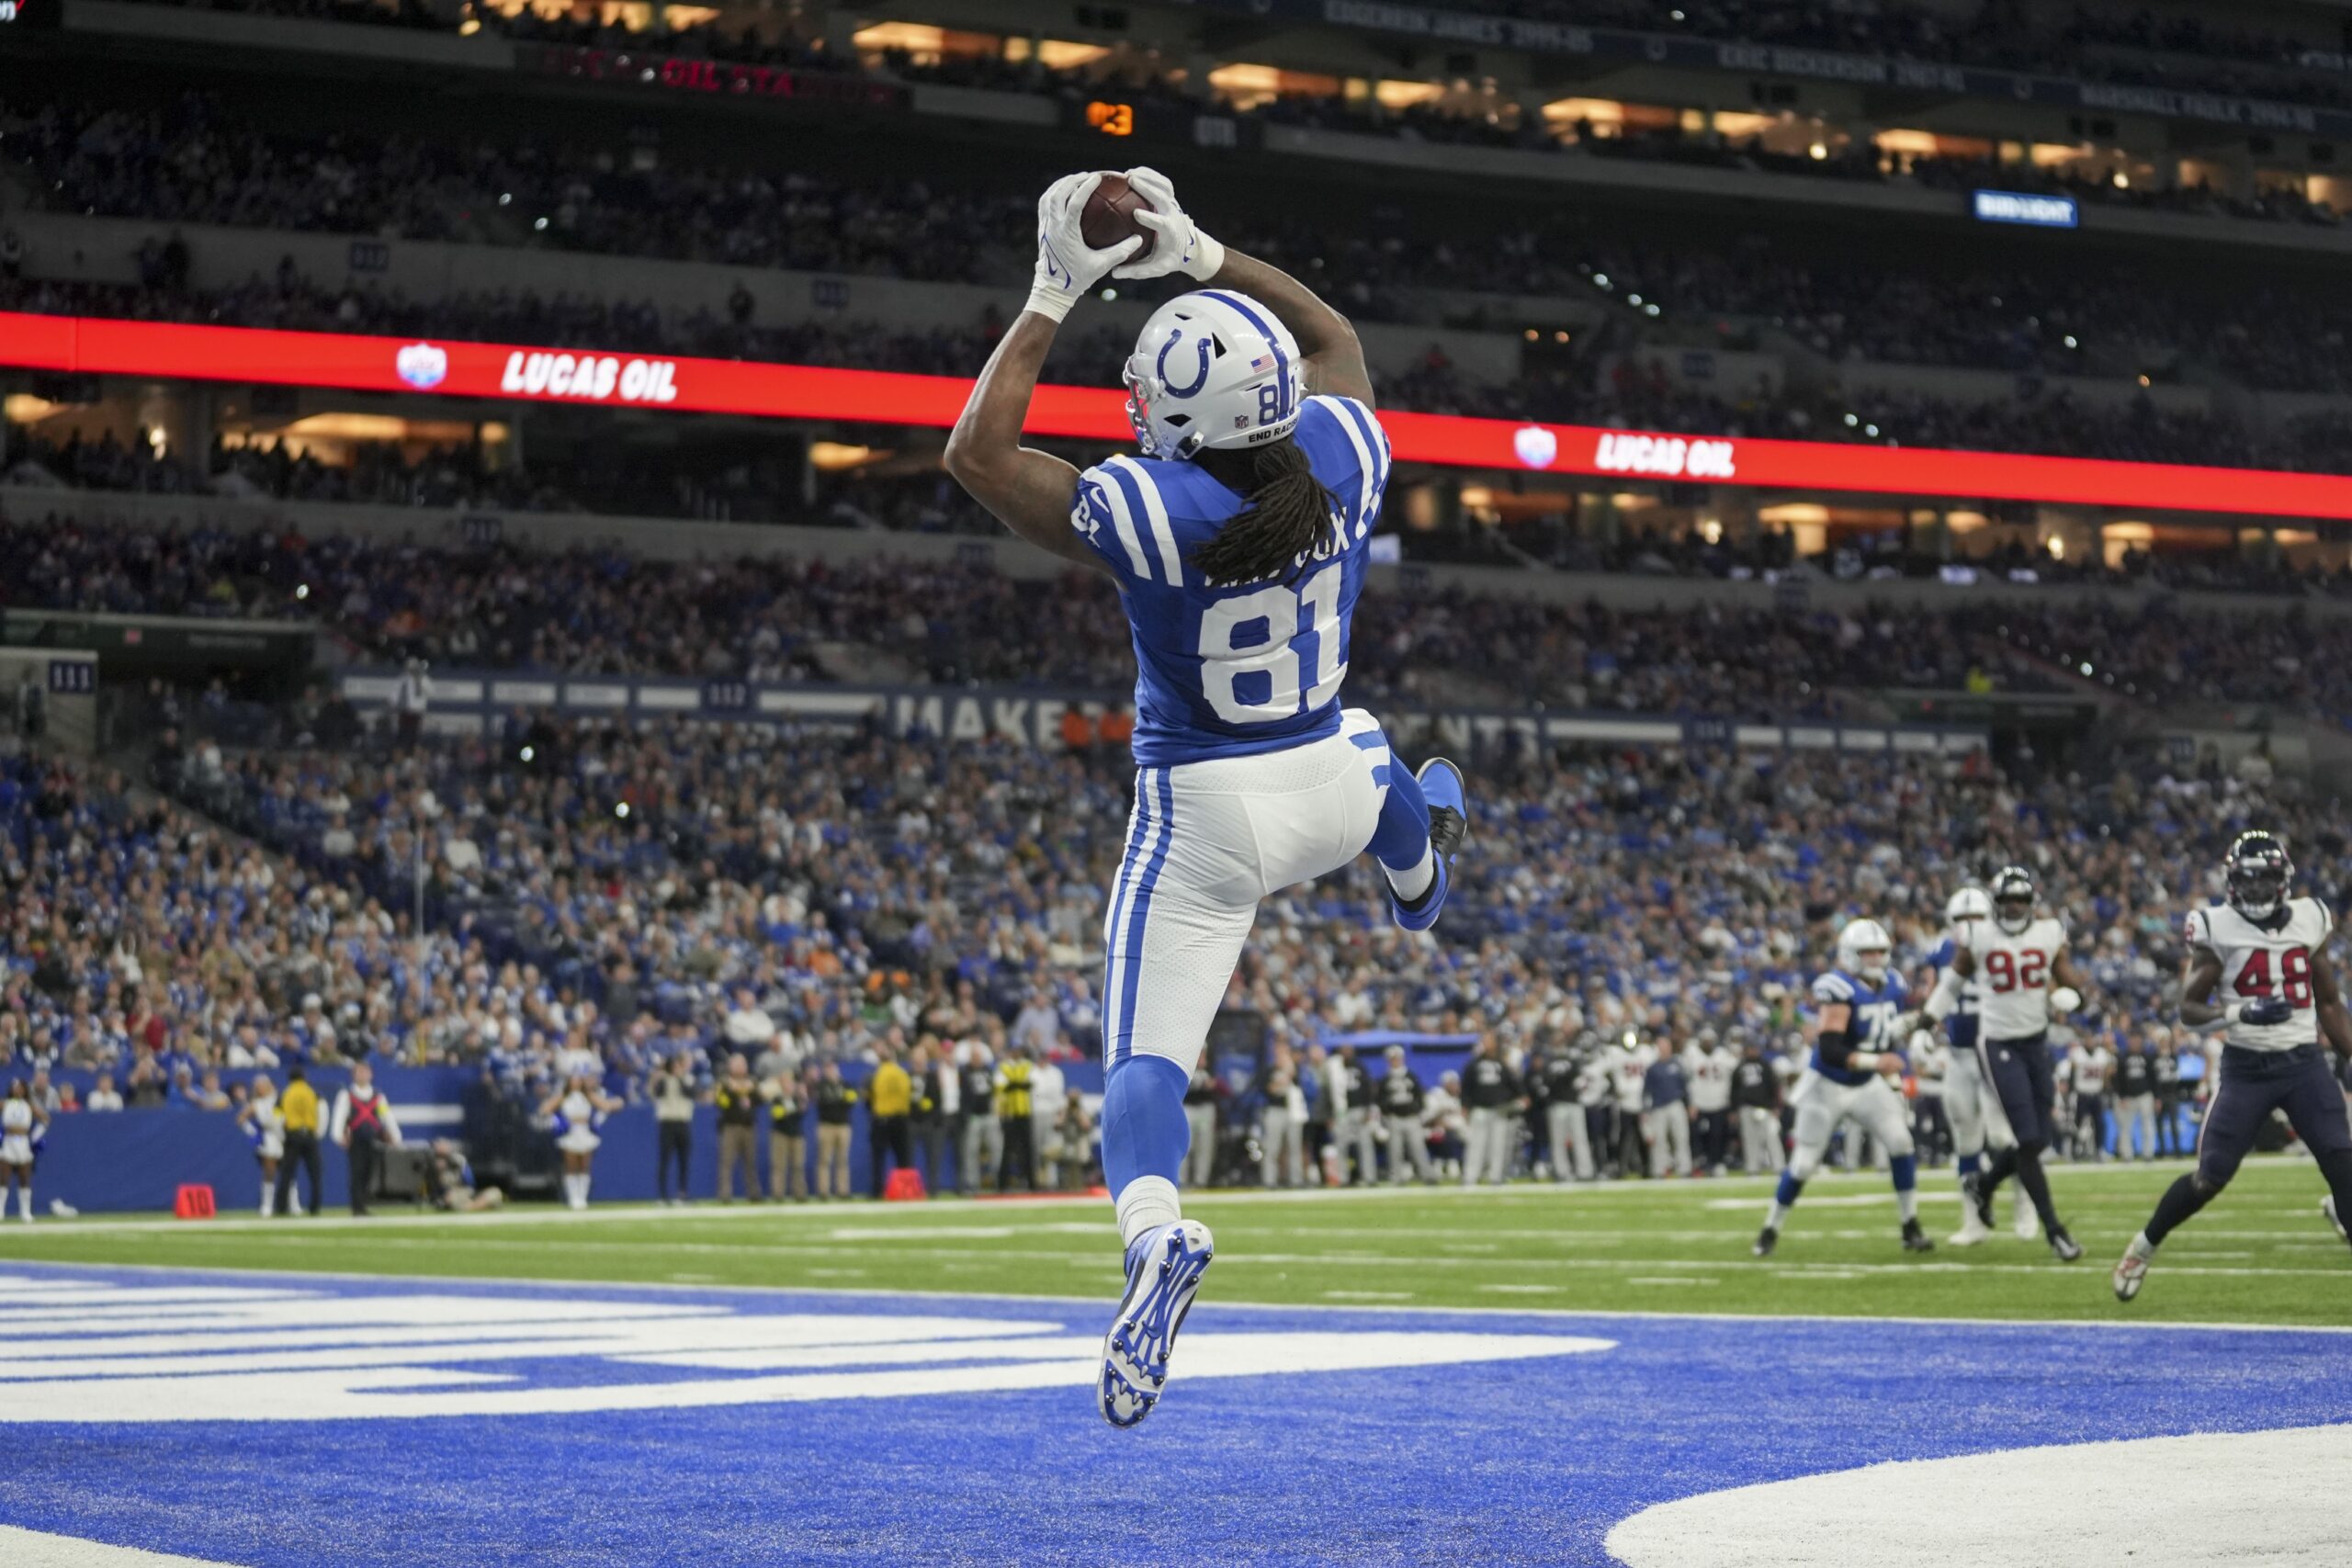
<point x="2066" y="999"/>
<point x="1067" y="265"/>
<point x="1179" y="245"/>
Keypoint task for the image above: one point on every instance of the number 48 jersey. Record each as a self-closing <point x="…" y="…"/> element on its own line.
<point x="2013" y="976"/>
<point x="1234" y="671"/>
<point x="2258" y="961"/>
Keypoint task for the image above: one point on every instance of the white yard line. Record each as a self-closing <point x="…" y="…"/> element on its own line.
<point x="299" y="1277"/>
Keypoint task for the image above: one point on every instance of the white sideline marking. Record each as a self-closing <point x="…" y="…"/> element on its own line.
<point x="2186" y="1502"/>
<point x="37" y="1549"/>
<point x="705" y="1211"/>
<point x="658" y="1289"/>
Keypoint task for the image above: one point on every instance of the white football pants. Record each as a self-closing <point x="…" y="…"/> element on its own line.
<point x="1207" y="842"/>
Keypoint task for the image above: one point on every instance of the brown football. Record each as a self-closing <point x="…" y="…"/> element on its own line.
<point x="1110" y="216"/>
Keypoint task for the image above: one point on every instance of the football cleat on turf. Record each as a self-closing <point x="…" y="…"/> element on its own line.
<point x="1766" y="1239"/>
<point x="2065" y="1245"/>
<point x="1972" y="1229"/>
<point x="1442" y="787"/>
<point x="2130" y="1272"/>
<point x="1977" y="1200"/>
<point x="2327" y="1207"/>
<point x="1915" y="1239"/>
<point x="1164" y="1270"/>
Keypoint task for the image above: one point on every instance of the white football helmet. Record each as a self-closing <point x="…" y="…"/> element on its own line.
<point x="1968" y="904"/>
<point x="1863" y="949"/>
<point x="1213" y="368"/>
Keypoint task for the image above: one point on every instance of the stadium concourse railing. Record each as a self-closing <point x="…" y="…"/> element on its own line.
<point x="469" y="701"/>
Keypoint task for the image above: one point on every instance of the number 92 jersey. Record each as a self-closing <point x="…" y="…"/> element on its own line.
<point x="2013" y="972"/>
<point x="2258" y="961"/>
<point x="1234" y="671"/>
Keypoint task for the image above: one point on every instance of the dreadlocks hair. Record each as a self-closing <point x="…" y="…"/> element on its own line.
<point x="1289" y="516"/>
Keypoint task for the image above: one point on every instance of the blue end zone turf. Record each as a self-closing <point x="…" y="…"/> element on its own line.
<point x="963" y="1428"/>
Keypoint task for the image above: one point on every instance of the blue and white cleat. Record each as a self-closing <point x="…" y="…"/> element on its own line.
<point x="1441" y="786"/>
<point x="1164" y="1270"/>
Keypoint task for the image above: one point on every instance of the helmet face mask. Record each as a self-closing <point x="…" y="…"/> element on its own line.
<point x="1864" y="948"/>
<point x="2258" y="873"/>
<point x="2013" y="897"/>
<point x="1968" y="904"/>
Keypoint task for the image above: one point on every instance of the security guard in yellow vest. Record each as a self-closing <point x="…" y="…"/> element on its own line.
<point x="1016" y="1076"/>
<point x="299" y="1105"/>
<point x="889" y="1101"/>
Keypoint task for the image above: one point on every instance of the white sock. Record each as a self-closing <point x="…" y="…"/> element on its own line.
<point x="1145" y="1204"/>
<point x="268" y="1200"/>
<point x="1908" y="1204"/>
<point x="585" y="1178"/>
<point x="294" y="1202"/>
<point x="25" y="1197"/>
<point x="1413" y="883"/>
<point x="2142" y="1247"/>
<point x="1780" y="1212"/>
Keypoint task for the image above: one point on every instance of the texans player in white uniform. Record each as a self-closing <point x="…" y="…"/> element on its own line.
<point x="1238" y="538"/>
<point x="2026" y="974"/>
<point x="1969" y="1100"/>
<point x="1852" y="1079"/>
<point x="2256" y="969"/>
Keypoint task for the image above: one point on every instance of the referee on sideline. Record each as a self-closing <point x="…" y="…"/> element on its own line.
<point x="299" y="1106"/>
<point x="363" y="1124"/>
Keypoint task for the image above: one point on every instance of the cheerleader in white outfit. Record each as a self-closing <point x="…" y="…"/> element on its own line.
<point x="575" y="1111"/>
<point x="265" y="1125"/>
<point x="21" y="1124"/>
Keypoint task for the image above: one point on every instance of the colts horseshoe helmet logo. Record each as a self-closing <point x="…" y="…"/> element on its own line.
<point x="1175" y="336"/>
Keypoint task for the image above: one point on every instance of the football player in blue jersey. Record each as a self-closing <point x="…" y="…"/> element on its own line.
<point x="1852" y="1079"/>
<point x="1238" y="535"/>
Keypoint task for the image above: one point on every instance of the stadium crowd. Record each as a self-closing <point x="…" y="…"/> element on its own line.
<point x="197" y="161"/>
<point x="606" y="612"/>
<point x="620" y="895"/>
<point x="2121" y="45"/>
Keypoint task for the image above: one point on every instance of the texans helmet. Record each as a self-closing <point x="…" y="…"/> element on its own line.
<point x="2258" y="873"/>
<point x="2013" y="897"/>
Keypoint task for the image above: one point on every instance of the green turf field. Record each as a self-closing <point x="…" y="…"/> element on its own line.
<point x="2263" y="1254"/>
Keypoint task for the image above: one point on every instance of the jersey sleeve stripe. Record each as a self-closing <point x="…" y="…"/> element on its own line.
<point x="1123" y="518"/>
<point x="1371" y="444"/>
<point x="1155" y="511"/>
<point x="1343" y="415"/>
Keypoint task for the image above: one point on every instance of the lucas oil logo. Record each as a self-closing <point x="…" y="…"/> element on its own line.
<point x="1667" y="456"/>
<point x="421" y="365"/>
<point x="593" y="378"/>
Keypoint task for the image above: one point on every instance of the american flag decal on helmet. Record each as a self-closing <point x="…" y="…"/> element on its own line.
<point x="1261" y="362"/>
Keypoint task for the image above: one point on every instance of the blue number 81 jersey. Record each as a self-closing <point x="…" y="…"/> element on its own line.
<point x="1873" y="1011"/>
<point x="1236" y="670"/>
